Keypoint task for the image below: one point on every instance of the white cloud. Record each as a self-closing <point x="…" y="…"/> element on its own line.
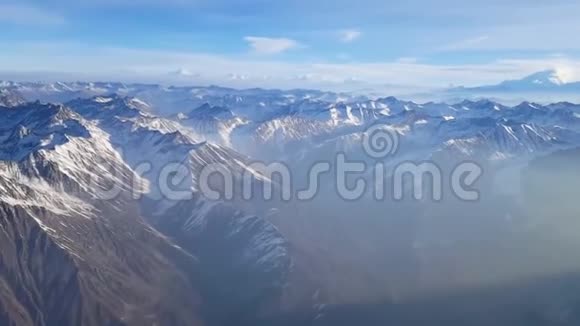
<point x="535" y="34"/>
<point x="565" y="74"/>
<point x="185" y="73"/>
<point x="349" y="35"/>
<point x="267" y="45"/>
<point x="127" y="65"/>
<point x="232" y="76"/>
<point x="28" y="15"/>
<point x="408" y="60"/>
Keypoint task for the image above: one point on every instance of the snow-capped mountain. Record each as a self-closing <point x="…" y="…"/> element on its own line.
<point x="64" y="246"/>
<point x="540" y="80"/>
<point x="198" y="225"/>
<point x="301" y="126"/>
<point x="213" y="122"/>
<point x="541" y="86"/>
<point x="60" y="164"/>
<point x="548" y="80"/>
<point x="172" y="100"/>
<point x="287" y="124"/>
<point x="141" y="258"/>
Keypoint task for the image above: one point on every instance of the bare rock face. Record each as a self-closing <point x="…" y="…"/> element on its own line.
<point x="244" y="260"/>
<point x="91" y="274"/>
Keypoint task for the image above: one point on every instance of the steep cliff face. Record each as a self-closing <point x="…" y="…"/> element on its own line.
<point x="68" y="256"/>
<point x="93" y="273"/>
<point x="244" y="260"/>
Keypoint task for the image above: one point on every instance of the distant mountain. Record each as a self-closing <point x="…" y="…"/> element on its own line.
<point x="543" y="81"/>
<point x="10" y="98"/>
<point x="170" y="100"/>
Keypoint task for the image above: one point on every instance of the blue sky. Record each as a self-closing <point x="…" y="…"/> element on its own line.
<point x="337" y="44"/>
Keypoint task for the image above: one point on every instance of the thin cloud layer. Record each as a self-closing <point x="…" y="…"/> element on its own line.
<point x="199" y="68"/>
<point x="268" y="45"/>
<point x="20" y="14"/>
<point x="349" y="35"/>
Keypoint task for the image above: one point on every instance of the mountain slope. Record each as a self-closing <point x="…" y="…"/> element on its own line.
<point x="244" y="259"/>
<point x="70" y="257"/>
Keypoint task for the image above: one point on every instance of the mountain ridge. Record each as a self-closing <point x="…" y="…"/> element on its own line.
<point x="227" y="262"/>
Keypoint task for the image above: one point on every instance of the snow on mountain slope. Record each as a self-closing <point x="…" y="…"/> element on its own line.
<point x="208" y="112"/>
<point x="57" y="167"/>
<point x="56" y="135"/>
<point x="215" y="123"/>
<point x="272" y="138"/>
<point x="65" y="246"/>
<point x="542" y="79"/>
<point x="159" y="143"/>
<point x="10" y="98"/>
<point x="282" y="125"/>
<point x="144" y="138"/>
<point x="169" y="101"/>
<point x="301" y="127"/>
<point x="299" y="124"/>
<point x="115" y="111"/>
<point x="528" y="126"/>
<point x="507" y="141"/>
<point x="479" y="109"/>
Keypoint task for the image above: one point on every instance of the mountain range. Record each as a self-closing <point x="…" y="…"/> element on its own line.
<point x="73" y="255"/>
